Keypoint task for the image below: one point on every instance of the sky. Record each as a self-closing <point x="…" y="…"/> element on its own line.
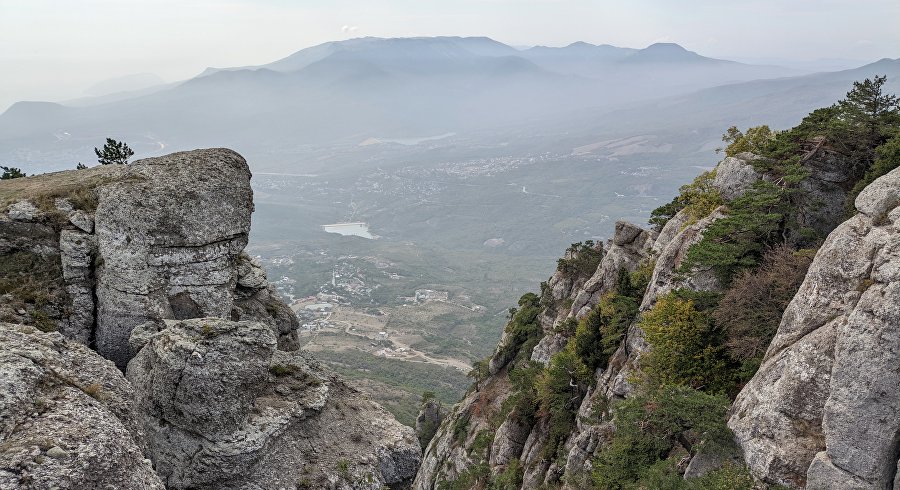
<point x="56" y="49"/>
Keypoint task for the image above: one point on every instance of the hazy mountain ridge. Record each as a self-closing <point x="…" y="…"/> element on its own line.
<point x="379" y="87"/>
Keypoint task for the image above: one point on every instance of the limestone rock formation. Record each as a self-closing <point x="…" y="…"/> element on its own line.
<point x="629" y="246"/>
<point x="66" y="418"/>
<point x="161" y="238"/>
<point x="222" y="407"/>
<point x="145" y="263"/>
<point x="734" y="175"/>
<point x="822" y="411"/>
<point x="430" y="416"/>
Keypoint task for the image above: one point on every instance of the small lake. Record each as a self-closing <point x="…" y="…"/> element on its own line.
<point x="349" y="229"/>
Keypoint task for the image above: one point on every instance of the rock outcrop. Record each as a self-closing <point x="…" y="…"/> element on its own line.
<point x="66" y="417"/>
<point x="222" y="407"/>
<point x="430" y="416"/>
<point x="824" y="408"/>
<point x="161" y="238"/>
<point x="145" y="264"/>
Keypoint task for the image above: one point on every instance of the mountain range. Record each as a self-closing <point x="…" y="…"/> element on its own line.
<point x="348" y="91"/>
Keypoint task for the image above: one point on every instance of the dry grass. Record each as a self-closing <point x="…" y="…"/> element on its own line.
<point x="77" y="185"/>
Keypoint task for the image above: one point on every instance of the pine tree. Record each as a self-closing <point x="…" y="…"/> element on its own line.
<point x="11" y="173"/>
<point x="114" y="152"/>
<point x="867" y="118"/>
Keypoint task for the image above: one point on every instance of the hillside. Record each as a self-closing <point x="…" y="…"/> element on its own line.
<point x="742" y="342"/>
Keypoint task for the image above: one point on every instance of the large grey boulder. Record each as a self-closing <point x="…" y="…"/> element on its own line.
<point x="735" y="175"/>
<point x="667" y="274"/>
<point x="223" y="408"/>
<point x="824" y="408"/>
<point x="629" y="246"/>
<point x="169" y="233"/>
<point x="65" y="417"/>
<point x="161" y="238"/>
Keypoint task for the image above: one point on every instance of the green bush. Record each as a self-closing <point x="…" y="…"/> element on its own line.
<point x="524" y="401"/>
<point x="887" y="158"/>
<point x="651" y="424"/>
<point x="510" y="478"/>
<point x="698" y="199"/>
<point x="755" y="140"/>
<point x="560" y="388"/>
<point x="461" y="427"/>
<point x="738" y="240"/>
<point x="9" y="173"/>
<point x="524" y="329"/>
<point x="599" y="333"/>
<point x="685" y="349"/>
<point x="583" y="259"/>
<point x="481" y="443"/>
<point x="664" y="475"/>
<point x="475" y="476"/>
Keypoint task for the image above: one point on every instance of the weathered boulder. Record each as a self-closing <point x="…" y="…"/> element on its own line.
<point x="734" y="175"/>
<point x="223" y="408"/>
<point x="65" y="417"/>
<point x="161" y="238"/>
<point x="824" y="408"/>
<point x="169" y="234"/>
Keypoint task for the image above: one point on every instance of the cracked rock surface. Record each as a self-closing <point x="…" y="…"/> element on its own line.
<point x="65" y="417"/>
<point x="824" y="408"/>
<point x="223" y="408"/>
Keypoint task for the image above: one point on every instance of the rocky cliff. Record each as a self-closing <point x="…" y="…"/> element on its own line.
<point x="567" y="298"/>
<point x="821" y="412"/>
<point x="824" y="408"/>
<point x="144" y="264"/>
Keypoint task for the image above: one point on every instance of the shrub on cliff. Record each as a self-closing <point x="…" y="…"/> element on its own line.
<point x="524" y="328"/>
<point x="598" y="334"/>
<point x="866" y="118"/>
<point x="699" y="198"/>
<point x="560" y="388"/>
<point x="686" y="349"/>
<point x="887" y="158"/>
<point x="581" y="260"/>
<point x="755" y="140"/>
<point x="750" y="311"/>
<point x="651" y="425"/>
<point x="738" y="241"/>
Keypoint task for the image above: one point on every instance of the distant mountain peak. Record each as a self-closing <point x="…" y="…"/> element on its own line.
<point x="667" y="53"/>
<point x="667" y="47"/>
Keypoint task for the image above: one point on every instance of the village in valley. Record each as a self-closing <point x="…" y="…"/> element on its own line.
<point x="343" y="314"/>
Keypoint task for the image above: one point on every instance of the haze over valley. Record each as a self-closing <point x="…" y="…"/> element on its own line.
<point x="469" y="166"/>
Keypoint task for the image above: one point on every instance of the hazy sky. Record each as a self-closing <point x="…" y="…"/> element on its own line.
<point x="55" y="49"/>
